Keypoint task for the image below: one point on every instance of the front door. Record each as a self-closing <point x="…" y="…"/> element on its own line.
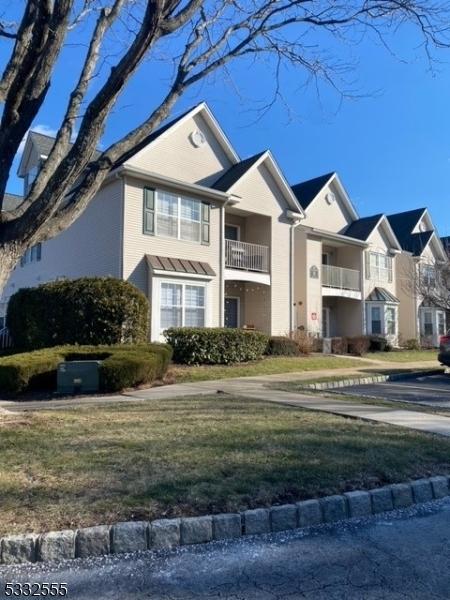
<point x="232" y="312"/>
<point x="325" y="322"/>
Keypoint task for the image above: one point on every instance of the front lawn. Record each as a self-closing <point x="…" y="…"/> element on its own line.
<point x="266" y="366"/>
<point x="192" y="456"/>
<point x="404" y="355"/>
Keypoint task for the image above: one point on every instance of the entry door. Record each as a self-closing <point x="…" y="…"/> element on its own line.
<point x="325" y="322"/>
<point x="232" y="312"/>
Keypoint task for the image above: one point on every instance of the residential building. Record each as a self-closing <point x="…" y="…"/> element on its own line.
<point x="345" y="275"/>
<point x="422" y="252"/>
<point x="208" y="237"/>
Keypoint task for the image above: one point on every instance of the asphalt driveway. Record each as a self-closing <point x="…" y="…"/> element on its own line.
<point x="401" y="555"/>
<point x="433" y="390"/>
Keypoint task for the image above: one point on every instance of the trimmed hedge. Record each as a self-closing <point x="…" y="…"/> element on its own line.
<point x="123" y="366"/>
<point x="92" y="311"/>
<point x="214" y="346"/>
<point x="282" y="346"/>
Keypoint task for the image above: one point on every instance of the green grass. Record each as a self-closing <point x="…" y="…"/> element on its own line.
<point x="404" y="355"/>
<point x="189" y="456"/>
<point x="266" y="366"/>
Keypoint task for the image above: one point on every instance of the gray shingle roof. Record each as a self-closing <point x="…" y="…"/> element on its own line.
<point x="306" y="191"/>
<point x="362" y="228"/>
<point x="380" y="294"/>
<point x="234" y="173"/>
<point x="403" y="224"/>
<point x="11" y="201"/>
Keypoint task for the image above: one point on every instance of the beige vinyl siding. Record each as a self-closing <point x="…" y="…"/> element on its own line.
<point x="175" y="156"/>
<point x="260" y="195"/>
<point x="137" y="245"/>
<point x="406" y="293"/>
<point x="91" y="246"/>
<point x="329" y="217"/>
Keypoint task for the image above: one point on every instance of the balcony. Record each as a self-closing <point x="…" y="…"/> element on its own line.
<point x="346" y="281"/>
<point x="246" y="257"/>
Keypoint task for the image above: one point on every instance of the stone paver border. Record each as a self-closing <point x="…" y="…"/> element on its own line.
<point x="333" y="385"/>
<point x="134" y="536"/>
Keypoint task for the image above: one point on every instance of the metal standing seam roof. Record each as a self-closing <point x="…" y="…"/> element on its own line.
<point x="380" y="294"/>
<point x="179" y="265"/>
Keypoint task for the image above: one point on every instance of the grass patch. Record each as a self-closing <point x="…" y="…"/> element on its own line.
<point x="192" y="456"/>
<point x="404" y="355"/>
<point x="266" y="366"/>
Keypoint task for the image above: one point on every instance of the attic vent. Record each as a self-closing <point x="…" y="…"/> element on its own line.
<point x="330" y="197"/>
<point x="197" y="138"/>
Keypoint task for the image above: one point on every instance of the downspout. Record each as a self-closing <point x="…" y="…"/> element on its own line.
<point x="292" y="228"/>
<point x="222" y="265"/>
<point x="122" y="224"/>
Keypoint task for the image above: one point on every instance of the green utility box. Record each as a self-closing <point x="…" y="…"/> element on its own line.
<point x="78" y="377"/>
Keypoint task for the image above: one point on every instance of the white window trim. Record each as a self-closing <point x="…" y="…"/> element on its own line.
<point x="383" y="306"/>
<point x="156" y="330"/>
<point x="178" y="217"/>
<point x="435" y="312"/>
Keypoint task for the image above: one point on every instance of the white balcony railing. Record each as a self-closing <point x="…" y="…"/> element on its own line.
<point x="343" y="279"/>
<point x="249" y="257"/>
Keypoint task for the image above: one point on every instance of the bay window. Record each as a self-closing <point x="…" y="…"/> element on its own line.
<point x="182" y="305"/>
<point x="382" y="319"/>
<point x="379" y="267"/>
<point x="171" y="215"/>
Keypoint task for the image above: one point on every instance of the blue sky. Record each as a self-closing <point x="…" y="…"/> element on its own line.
<point x="391" y="146"/>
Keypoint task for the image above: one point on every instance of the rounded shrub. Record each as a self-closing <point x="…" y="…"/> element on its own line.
<point x="282" y="346"/>
<point x="215" y="345"/>
<point x="97" y="310"/>
<point x="122" y="366"/>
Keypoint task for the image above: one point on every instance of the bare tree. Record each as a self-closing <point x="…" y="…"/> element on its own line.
<point x="431" y="283"/>
<point x="198" y="37"/>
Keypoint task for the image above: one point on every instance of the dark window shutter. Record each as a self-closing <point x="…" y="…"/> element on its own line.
<point x="149" y="211"/>
<point x="206" y="223"/>
<point x="38" y="251"/>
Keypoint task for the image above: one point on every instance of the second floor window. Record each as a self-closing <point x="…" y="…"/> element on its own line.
<point x="428" y="275"/>
<point x="379" y="267"/>
<point x="174" y="216"/>
<point x="33" y="254"/>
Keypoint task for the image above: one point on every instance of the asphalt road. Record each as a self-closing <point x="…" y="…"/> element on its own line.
<point x="404" y="555"/>
<point x="432" y="389"/>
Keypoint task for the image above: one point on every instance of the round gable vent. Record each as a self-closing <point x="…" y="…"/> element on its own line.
<point x="197" y="138"/>
<point x="330" y="197"/>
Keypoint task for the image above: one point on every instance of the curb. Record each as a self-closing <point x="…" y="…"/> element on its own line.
<point x="332" y="385"/>
<point x="134" y="536"/>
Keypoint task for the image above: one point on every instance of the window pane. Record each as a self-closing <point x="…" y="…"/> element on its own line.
<point x="171" y="294"/>
<point x="190" y="209"/>
<point x="195" y="317"/>
<point x="190" y="230"/>
<point x="167" y="204"/>
<point x="167" y="226"/>
<point x="194" y="296"/>
<point x="171" y="317"/>
<point x="390" y="321"/>
<point x="441" y="323"/>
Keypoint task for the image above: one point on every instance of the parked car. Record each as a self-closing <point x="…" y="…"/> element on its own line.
<point x="444" y="349"/>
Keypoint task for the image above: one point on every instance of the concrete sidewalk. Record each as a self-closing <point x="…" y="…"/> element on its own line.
<point x="256" y="388"/>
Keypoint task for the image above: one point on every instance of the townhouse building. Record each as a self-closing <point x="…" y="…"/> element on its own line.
<point x="214" y="240"/>
<point x="422" y="253"/>
<point x="345" y="266"/>
<point x="208" y="237"/>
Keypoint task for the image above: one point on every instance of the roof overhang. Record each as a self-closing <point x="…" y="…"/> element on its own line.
<point x="161" y="180"/>
<point x="343" y="240"/>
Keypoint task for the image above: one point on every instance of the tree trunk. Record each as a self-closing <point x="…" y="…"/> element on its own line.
<point x="9" y="255"/>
